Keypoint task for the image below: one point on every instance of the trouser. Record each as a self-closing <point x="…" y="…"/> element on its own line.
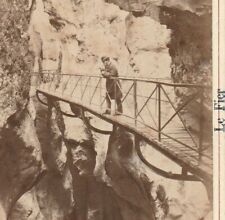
<point x="119" y="107"/>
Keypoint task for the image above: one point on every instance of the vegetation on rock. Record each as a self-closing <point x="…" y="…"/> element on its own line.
<point x="15" y="58"/>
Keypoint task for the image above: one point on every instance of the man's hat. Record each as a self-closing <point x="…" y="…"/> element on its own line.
<point x="104" y="58"/>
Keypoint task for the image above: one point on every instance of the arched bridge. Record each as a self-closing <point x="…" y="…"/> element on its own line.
<point x="171" y="117"/>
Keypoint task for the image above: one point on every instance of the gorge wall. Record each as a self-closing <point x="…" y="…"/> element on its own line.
<point x="20" y="154"/>
<point x="158" y="39"/>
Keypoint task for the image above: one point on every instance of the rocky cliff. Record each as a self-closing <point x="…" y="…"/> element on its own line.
<point x="20" y="153"/>
<point x="87" y="173"/>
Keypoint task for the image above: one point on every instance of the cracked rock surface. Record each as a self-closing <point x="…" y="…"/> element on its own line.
<point x="88" y="174"/>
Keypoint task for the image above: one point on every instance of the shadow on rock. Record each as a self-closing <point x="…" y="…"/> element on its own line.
<point x="132" y="187"/>
<point x="20" y="159"/>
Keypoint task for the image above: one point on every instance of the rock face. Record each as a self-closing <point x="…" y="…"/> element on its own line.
<point x="126" y="198"/>
<point x="27" y="207"/>
<point x="54" y="191"/>
<point x="16" y="61"/>
<point x="143" y="6"/>
<point x="146" y="47"/>
<point x="135" y="198"/>
<point x="82" y="40"/>
<point x="190" y="49"/>
<point x="21" y="163"/>
<point x="21" y="159"/>
<point x="52" y="196"/>
<point x="190" y="46"/>
<point x="84" y="180"/>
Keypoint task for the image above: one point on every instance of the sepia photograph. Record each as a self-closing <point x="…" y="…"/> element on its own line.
<point x="111" y="110"/>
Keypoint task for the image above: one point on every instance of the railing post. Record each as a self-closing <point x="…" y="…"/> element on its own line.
<point x="115" y="96"/>
<point x="66" y="84"/>
<point x="100" y="92"/>
<point x="90" y="91"/>
<point x="159" y="111"/>
<point x="81" y="84"/>
<point x="135" y="101"/>
<point x="46" y="85"/>
<point x="55" y="81"/>
<point x="201" y="123"/>
<point x="52" y="82"/>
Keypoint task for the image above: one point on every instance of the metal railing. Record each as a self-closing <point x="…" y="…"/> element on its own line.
<point x="147" y="103"/>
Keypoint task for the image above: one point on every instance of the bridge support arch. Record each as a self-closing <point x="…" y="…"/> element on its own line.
<point x="183" y="176"/>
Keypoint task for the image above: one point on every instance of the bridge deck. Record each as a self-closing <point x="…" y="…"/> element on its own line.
<point x="182" y="155"/>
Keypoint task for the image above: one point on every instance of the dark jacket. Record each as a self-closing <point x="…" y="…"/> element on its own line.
<point x="113" y="86"/>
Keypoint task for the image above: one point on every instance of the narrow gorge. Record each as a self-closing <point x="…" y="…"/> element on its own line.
<point x="54" y="167"/>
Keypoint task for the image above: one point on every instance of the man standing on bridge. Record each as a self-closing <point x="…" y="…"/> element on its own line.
<point x="113" y="87"/>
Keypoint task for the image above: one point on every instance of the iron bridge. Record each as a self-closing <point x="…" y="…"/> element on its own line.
<point x="170" y="117"/>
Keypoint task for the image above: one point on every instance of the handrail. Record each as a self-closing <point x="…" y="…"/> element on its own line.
<point x="85" y="81"/>
<point x="139" y="79"/>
